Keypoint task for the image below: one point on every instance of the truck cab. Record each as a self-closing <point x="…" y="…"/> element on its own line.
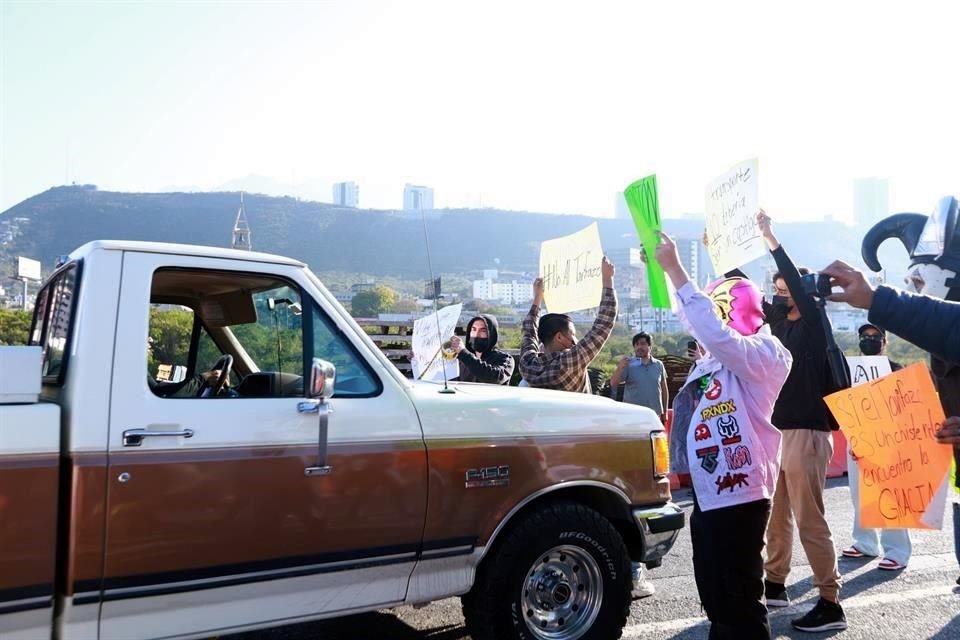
<point x="202" y="441"/>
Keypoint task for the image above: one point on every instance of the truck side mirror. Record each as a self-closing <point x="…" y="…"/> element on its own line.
<point x="322" y="377"/>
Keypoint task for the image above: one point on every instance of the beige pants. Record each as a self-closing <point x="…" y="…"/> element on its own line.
<point x="799" y="495"/>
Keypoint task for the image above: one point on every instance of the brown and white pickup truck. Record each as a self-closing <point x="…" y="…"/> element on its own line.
<point x="201" y="441"/>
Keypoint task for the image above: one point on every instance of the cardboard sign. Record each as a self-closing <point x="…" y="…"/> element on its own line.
<point x="867" y="368"/>
<point x="732" y="205"/>
<point x="644" y="205"/>
<point x="430" y="333"/>
<point x="571" y="271"/>
<point x="890" y="424"/>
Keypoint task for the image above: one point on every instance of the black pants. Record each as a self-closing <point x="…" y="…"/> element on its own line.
<point x="728" y="567"/>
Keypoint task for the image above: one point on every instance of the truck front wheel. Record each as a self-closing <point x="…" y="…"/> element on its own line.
<point x="561" y="573"/>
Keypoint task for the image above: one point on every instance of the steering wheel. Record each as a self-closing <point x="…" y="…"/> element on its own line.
<point x="225" y="364"/>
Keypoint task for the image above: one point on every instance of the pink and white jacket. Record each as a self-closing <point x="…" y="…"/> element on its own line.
<point x="722" y="435"/>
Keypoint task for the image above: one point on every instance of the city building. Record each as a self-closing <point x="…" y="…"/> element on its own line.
<point x="417" y="198"/>
<point x="510" y="293"/>
<point x="346" y="194"/>
<point x="871" y="200"/>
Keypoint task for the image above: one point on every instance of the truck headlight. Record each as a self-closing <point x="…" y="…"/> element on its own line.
<point x="661" y="454"/>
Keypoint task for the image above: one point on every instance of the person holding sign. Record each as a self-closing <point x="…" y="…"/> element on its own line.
<point x="561" y="361"/>
<point x="723" y="437"/>
<point x="481" y="360"/>
<point x="894" y="543"/>
<point x="803" y="418"/>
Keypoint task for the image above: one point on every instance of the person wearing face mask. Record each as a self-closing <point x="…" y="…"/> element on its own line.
<point x="724" y="438"/>
<point x="481" y="360"/>
<point x="893" y="543"/>
<point x="561" y="361"/>
<point x="802" y="416"/>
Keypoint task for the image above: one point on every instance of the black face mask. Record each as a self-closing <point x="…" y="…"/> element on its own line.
<point x="871" y="345"/>
<point x="779" y="311"/>
<point x="480" y="344"/>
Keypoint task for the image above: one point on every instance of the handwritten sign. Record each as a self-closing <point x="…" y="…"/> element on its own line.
<point x="429" y="335"/>
<point x="732" y="205"/>
<point x="890" y="424"/>
<point x="570" y="268"/>
<point x="866" y="368"/>
<point x="644" y="205"/>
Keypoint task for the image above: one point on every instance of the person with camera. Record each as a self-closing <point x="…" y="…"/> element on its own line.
<point x="803" y="418"/>
<point x="644" y="378"/>
<point x="893" y="543"/>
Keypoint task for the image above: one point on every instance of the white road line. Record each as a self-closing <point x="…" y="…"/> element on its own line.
<point x="856" y="602"/>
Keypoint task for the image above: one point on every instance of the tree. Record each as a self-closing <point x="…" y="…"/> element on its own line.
<point x="404" y="305"/>
<point x="372" y="302"/>
<point x="14" y="326"/>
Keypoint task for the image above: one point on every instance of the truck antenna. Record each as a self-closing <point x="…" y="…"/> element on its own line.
<point x="436" y="305"/>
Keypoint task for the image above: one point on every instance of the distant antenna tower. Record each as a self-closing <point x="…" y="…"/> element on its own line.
<point x="241" y="230"/>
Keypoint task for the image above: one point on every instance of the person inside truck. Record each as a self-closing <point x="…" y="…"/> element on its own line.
<point x="199" y="385"/>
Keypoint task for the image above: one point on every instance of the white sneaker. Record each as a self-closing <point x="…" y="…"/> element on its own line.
<point x="642" y="587"/>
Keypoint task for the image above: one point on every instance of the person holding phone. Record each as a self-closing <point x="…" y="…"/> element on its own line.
<point x="644" y="378"/>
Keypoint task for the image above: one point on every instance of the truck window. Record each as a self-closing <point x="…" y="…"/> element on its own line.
<point x="355" y="379"/>
<point x="199" y="319"/>
<point x="52" y="318"/>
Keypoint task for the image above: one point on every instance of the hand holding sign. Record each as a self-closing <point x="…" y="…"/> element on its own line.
<point x="891" y="424"/>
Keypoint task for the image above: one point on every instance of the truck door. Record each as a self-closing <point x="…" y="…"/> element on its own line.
<point x="213" y="523"/>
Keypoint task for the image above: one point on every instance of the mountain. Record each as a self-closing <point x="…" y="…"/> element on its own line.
<point x="332" y="238"/>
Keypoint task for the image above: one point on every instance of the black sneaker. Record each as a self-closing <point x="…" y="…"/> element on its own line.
<point x="825" y="616"/>
<point x="776" y="594"/>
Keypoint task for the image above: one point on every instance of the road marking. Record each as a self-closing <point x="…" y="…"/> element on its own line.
<point x="856" y="602"/>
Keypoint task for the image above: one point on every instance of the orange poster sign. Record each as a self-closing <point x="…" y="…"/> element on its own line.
<point x="890" y="424"/>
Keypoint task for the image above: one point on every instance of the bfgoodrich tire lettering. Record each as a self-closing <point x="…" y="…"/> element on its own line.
<point x="561" y="573"/>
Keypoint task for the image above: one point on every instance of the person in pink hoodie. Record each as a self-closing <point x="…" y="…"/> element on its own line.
<point x="722" y="436"/>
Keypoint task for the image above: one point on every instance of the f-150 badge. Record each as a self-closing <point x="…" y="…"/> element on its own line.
<point x="498" y="476"/>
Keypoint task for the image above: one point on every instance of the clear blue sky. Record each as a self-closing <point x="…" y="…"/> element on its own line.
<point x="549" y="106"/>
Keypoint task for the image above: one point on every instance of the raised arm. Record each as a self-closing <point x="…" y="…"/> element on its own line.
<point x="530" y="340"/>
<point x="587" y="348"/>
<point x="791" y="275"/>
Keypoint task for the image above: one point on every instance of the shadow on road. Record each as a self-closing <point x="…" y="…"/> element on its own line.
<point x="367" y="625"/>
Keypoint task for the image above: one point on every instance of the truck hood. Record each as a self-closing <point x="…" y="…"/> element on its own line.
<point x="487" y="410"/>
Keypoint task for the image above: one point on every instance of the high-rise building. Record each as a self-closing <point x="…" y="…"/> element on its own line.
<point x="871" y="200"/>
<point x="346" y="194"/>
<point x="417" y="198"/>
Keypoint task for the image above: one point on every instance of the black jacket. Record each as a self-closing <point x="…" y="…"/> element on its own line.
<point x="494" y="366"/>
<point x="800" y="404"/>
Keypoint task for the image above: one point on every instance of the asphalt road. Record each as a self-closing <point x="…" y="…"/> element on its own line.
<point x="920" y="602"/>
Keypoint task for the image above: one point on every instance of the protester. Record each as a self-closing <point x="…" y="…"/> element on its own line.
<point x="894" y="543"/>
<point x="481" y="360"/>
<point x="803" y="418"/>
<point x="644" y="378"/>
<point x="561" y="361"/>
<point x="722" y="436"/>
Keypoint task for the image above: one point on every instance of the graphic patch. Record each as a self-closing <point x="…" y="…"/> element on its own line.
<point x="714" y="391"/>
<point x="732" y="481"/>
<point x="719" y="409"/>
<point x="708" y="458"/>
<point x="702" y="432"/>
<point x="729" y="430"/>
<point x="737" y="457"/>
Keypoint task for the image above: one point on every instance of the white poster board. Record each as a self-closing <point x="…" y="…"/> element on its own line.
<point x="428" y="361"/>
<point x="571" y="270"/>
<point x="28" y="269"/>
<point x="732" y="205"/>
<point x="867" y="368"/>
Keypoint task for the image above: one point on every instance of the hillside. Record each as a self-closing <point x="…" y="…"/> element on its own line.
<point x="332" y="238"/>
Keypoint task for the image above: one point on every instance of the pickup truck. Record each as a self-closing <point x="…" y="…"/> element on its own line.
<point x="199" y="441"/>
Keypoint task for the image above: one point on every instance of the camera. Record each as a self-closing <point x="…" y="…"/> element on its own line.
<point x="816" y="284"/>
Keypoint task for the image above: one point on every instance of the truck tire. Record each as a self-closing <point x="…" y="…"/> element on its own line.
<point x="561" y="573"/>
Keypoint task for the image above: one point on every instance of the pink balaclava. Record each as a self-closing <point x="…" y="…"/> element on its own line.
<point x="738" y="303"/>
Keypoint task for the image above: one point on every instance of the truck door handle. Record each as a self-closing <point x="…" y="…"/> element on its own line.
<point x="134" y="437"/>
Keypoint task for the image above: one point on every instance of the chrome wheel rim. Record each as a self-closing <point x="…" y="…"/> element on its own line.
<point x="562" y="594"/>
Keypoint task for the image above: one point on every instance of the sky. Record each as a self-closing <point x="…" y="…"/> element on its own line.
<point x="539" y="106"/>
